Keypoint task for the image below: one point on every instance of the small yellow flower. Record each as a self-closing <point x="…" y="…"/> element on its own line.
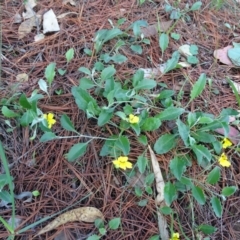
<point x="175" y="236"/>
<point x="226" y="143"/>
<point x="122" y="162"/>
<point x="50" y="119"/>
<point x="223" y="160"/>
<point x="133" y="119"/>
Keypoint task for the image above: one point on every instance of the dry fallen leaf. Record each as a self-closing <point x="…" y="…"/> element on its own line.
<point x="185" y="50"/>
<point x="26" y="27"/>
<point x="50" y="23"/>
<point x="30" y="4"/>
<point x="22" y="77"/>
<point x="17" y="18"/>
<point x="162" y="222"/>
<point x="233" y="134"/>
<point x="222" y="55"/>
<point x="85" y="214"/>
<point x="152" y="30"/>
<point x="65" y="14"/>
<point x="72" y="2"/>
<point x="39" y="37"/>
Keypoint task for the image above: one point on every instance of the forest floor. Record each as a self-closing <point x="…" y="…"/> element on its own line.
<point x="92" y="180"/>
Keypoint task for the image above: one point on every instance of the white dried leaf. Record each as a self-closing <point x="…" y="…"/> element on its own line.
<point x="50" y="23"/>
<point x="30" y="4"/>
<point x="39" y="37"/>
<point x="153" y="72"/>
<point x="184" y="64"/>
<point x="237" y="86"/>
<point x="185" y="50"/>
<point x="65" y="14"/>
<point x="17" y="18"/>
<point x="72" y="2"/>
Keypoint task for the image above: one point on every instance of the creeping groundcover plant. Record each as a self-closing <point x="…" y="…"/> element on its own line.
<point x="135" y="107"/>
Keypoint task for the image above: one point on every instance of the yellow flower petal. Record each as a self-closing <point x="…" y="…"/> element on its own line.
<point x="133" y="119"/>
<point x="226" y="143"/>
<point x="223" y="160"/>
<point x="50" y="119"/>
<point x="122" y="162"/>
<point x="175" y="236"/>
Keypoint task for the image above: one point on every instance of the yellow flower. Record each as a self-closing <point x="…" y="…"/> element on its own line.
<point x="50" y="119"/>
<point x="175" y="236"/>
<point x="226" y="143"/>
<point x="133" y="119"/>
<point x="223" y="160"/>
<point x="122" y="162"/>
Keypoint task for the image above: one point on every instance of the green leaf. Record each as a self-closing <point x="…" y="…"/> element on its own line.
<point x="149" y="179"/>
<point x="83" y="98"/>
<point x="69" y="55"/>
<point x="175" y="14"/>
<point x="192" y="118"/>
<point x="172" y="62"/>
<point x="203" y="137"/>
<point x="217" y="207"/>
<point x="5" y="196"/>
<point x="192" y="59"/>
<point x="175" y="36"/>
<point x="228" y="191"/>
<point x="108" y="72"/>
<point x="27" y="118"/>
<point x="136" y="26"/>
<point x="137" y="77"/>
<point x="214" y="176"/>
<point x="165" y="143"/>
<point x="104" y="116"/>
<point x="184" y="131"/>
<point x="88" y="51"/>
<point x="50" y="72"/>
<point x="94" y="237"/>
<point x="163" y="41"/>
<point x="170" y="193"/>
<point x="234" y="55"/>
<point x="201" y="152"/>
<point x="143" y="203"/>
<point x="198" y="87"/>
<point x="85" y="70"/>
<point x="48" y="136"/>
<point x="112" y="33"/>
<point x="102" y="231"/>
<point x="143" y="140"/>
<point x="61" y="71"/>
<point x="142" y="163"/>
<point x="155" y="237"/>
<point x="207" y="229"/>
<point x="165" y="94"/>
<point x="86" y="83"/>
<point x="178" y="167"/>
<point x="76" y="151"/>
<point x="193" y="49"/>
<point x="43" y="85"/>
<point x="138" y="191"/>
<point x="36" y="193"/>
<point x="196" y="6"/>
<point x="119" y="58"/>
<point x="151" y="124"/>
<point x="186" y="181"/>
<point x="171" y="113"/>
<point x="123" y="144"/>
<point x="148" y="190"/>
<point x="67" y="124"/>
<point x="136" y="128"/>
<point x="166" y="210"/>
<point x="8" y="113"/>
<point x="198" y="194"/>
<point x="137" y="49"/>
<point x="146" y="84"/>
<point x="24" y="102"/>
<point x="114" y="223"/>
